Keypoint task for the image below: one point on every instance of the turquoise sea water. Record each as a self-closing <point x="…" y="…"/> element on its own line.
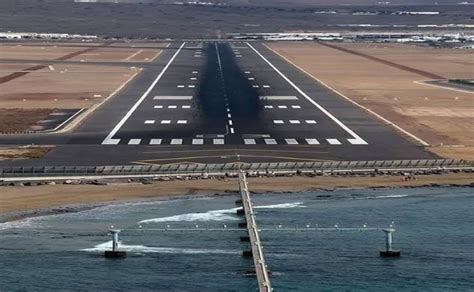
<point x="435" y="232"/>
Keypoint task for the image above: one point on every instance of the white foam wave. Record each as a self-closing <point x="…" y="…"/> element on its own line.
<point x="16" y="224"/>
<point x="154" y="249"/>
<point x="390" y="196"/>
<point x="216" y="215"/>
<point x="282" y="206"/>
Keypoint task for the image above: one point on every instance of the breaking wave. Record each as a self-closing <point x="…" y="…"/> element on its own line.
<point x="16" y="224"/>
<point x="154" y="249"/>
<point x="217" y="215"/>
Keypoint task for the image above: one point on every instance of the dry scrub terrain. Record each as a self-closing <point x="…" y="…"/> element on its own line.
<point x="30" y="91"/>
<point x="383" y="78"/>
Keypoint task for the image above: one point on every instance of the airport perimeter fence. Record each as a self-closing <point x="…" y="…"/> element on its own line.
<point x="201" y="169"/>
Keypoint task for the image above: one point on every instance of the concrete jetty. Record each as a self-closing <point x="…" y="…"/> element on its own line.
<point x="256" y="251"/>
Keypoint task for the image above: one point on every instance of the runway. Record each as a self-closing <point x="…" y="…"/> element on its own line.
<point x="227" y="99"/>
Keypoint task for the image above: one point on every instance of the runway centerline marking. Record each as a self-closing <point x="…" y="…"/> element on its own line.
<point x="356" y="138"/>
<point x="221" y="73"/>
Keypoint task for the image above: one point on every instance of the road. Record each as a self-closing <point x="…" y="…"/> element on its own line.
<point x="211" y="101"/>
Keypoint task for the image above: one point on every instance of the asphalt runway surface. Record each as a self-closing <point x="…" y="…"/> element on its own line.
<point x="215" y="102"/>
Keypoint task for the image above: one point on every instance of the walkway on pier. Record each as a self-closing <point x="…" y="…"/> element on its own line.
<point x="261" y="272"/>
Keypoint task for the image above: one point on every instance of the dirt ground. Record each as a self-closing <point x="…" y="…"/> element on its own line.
<point x="30" y="91"/>
<point x="114" y="52"/>
<point x="14" y="199"/>
<point x="18" y="120"/>
<point x="43" y="53"/>
<point x="111" y="54"/>
<point x="23" y="152"/>
<point x="67" y="86"/>
<point x="387" y="85"/>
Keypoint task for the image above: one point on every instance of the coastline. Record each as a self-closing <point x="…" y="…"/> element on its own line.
<point x="21" y="202"/>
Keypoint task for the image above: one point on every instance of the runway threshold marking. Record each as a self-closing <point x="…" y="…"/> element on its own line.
<point x="187" y="159"/>
<point x="334" y="141"/>
<point x="109" y="139"/>
<point x="356" y="139"/>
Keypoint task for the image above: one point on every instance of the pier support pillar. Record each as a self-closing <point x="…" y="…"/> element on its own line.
<point x="114" y="253"/>
<point x="389" y="251"/>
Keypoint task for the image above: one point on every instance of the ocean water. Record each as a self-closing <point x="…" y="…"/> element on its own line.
<point x="435" y="232"/>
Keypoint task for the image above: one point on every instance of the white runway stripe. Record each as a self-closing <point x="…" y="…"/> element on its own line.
<point x="246" y="141"/>
<point x="312" y="141"/>
<point x="158" y="106"/>
<point x="109" y="139"/>
<point x="165" y="122"/>
<point x="270" y="141"/>
<point x="173" y="97"/>
<point x="356" y="138"/>
<point x="357" y="142"/>
<point x="334" y="141"/>
<point x="295" y="122"/>
<point x="149" y="122"/>
<point x="310" y="122"/>
<point x="278" y="122"/>
<point x="277" y="97"/>
<point x="182" y="122"/>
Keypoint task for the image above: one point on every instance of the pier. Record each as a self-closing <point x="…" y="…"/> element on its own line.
<point x="256" y="251"/>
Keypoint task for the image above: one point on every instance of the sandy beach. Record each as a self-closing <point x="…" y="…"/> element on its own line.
<point x="18" y="202"/>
